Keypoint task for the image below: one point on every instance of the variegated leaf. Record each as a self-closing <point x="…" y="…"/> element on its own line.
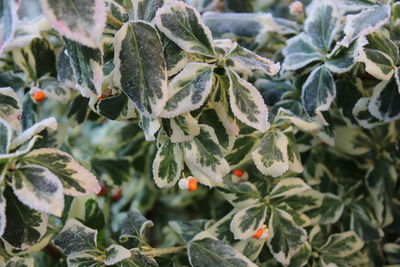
<point x="205" y="250"/>
<point x="138" y="259"/>
<point x="5" y="136"/>
<point x="247" y="103"/>
<point x="146" y="9"/>
<point x="182" y="24"/>
<point x="3" y="219"/>
<point x="251" y="248"/>
<point x="115" y="13"/>
<point x="24" y="149"/>
<point x="222" y="228"/>
<point x="342" y="245"/>
<point x="247" y="221"/>
<point x="189" y="89"/>
<point x="141" y="70"/>
<point x="362" y="114"/>
<point x="87" y="65"/>
<point x="285" y="237"/>
<point x="348" y="91"/>
<point x="293" y="153"/>
<point x="240" y="195"/>
<point x="271" y="156"/>
<point x="134" y="225"/>
<point x="250" y="60"/>
<point x="150" y="126"/>
<point x="365" y="22"/>
<point x="343" y="59"/>
<point x="81" y="21"/>
<point x="365" y="227"/>
<point x="322" y="24"/>
<point x="35" y="129"/>
<point x="352" y="141"/>
<point x="20" y="262"/>
<point x="115" y="254"/>
<point x="204" y="158"/>
<point x="55" y="90"/>
<point x="65" y="73"/>
<point x="318" y="91"/>
<point x="184" y="128"/>
<point x="24" y="226"/>
<point x="299" y="52"/>
<point x="384" y="101"/>
<point x="329" y="211"/>
<point x="188" y="229"/>
<point x="241" y="150"/>
<point x="175" y="58"/>
<point x="304" y="124"/>
<point x="299" y="218"/>
<point x="380" y="181"/>
<point x="10" y="107"/>
<point x="288" y="187"/>
<point x="76" y="180"/>
<point x="305" y="201"/>
<point x="76" y="238"/>
<point x="168" y="164"/>
<point x="39" y="189"/>
<point x="302" y="257"/>
<point x="83" y="260"/>
<point x="8" y="20"/>
<point x="380" y="56"/>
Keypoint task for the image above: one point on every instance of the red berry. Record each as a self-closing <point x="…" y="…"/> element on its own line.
<point x="39" y="96"/>
<point x="103" y="190"/>
<point x="258" y="233"/>
<point x="238" y="172"/>
<point x="117" y="194"/>
<point x="192" y="184"/>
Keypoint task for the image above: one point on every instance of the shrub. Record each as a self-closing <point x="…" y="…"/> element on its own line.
<point x="221" y="133"/>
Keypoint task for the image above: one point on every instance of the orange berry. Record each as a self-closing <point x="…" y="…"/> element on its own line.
<point x="238" y="172"/>
<point x="192" y="184"/>
<point x="258" y="234"/>
<point x="39" y="96"/>
<point x="100" y="98"/>
<point x="103" y="190"/>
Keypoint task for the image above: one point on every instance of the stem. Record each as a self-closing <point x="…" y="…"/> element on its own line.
<point x="161" y="251"/>
<point x="114" y="21"/>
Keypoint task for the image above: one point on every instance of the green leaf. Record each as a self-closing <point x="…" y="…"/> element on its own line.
<point x="25" y="226"/>
<point x="322" y="24"/>
<point x="76" y="180"/>
<point x="182" y="24"/>
<point x="318" y="91"/>
<point x="5" y="137"/>
<point x="168" y="164"/>
<point x="288" y="187"/>
<point x="189" y="89"/>
<point x="87" y="65"/>
<point x="247" y="221"/>
<point x="271" y="156"/>
<point x="134" y="225"/>
<point x="76" y="238"/>
<point x="250" y="60"/>
<point x="8" y="21"/>
<point x="380" y="56"/>
<point x="285" y="237"/>
<point x="384" y="101"/>
<point x="10" y="107"/>
<point x="141" y="70"/>
<point x="115" y="254"/>
<point x="39" y="189"/>
<point x="184" y="128"/>
<point x="204" y="250"/>
<point x="342" y="245"/>
<point x="299" y="52"/>
<point x="188" y="229"/>
<point x="146" y="9"/>
<point x="369" y="20"/>
<point x="204" y="158"/>
<point x="247" y="103"/>
<point x="240" y="195"/>
<point x="20" y="262"/>
<point x="81" y="21"/>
